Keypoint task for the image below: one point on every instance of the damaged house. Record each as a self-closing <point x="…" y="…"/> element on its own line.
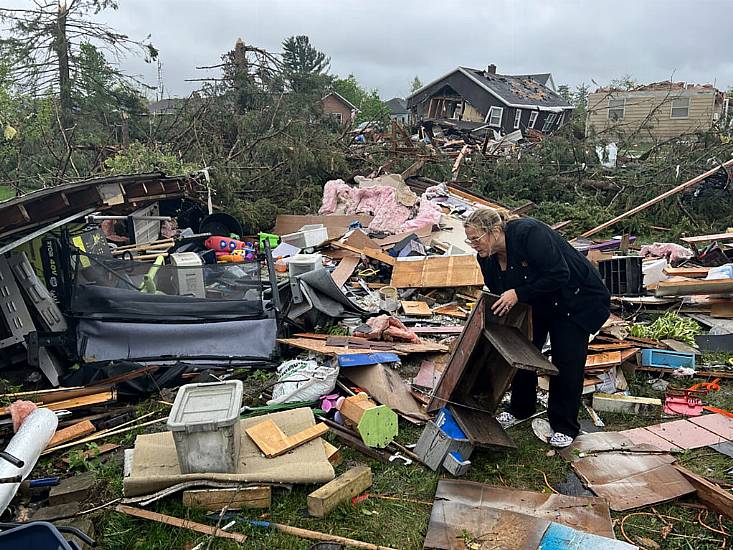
<point x="503" y="102"/>
<point x="662" y="110"/>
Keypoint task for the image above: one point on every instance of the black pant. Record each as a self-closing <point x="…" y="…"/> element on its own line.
<point x="569" y="350"/>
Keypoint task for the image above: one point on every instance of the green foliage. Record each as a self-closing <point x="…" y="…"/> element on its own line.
<point x="79" y="462"/>
<point x="416" y="84"/>
<point x="141" y="158"/>
<point x="304" y="67"/>
<point x="371" y="107"/>
<point x="669" y="325"/>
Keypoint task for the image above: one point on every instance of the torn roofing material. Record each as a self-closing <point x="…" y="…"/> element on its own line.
<point x="42" y="208"/>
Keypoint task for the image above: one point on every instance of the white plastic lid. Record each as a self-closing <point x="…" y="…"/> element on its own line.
<point x="206" y="407"/>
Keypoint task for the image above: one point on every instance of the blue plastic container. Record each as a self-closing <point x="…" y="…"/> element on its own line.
<point x="667" y="359"/>
<point x="38" y="535"/>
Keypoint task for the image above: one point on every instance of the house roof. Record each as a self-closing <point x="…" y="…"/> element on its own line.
<point x="663" y="86"/>
<point x="514" y="91"/>
<point x="397" y="106"/>
<point x="343" y="100"/>
<point x="542" y="78"/>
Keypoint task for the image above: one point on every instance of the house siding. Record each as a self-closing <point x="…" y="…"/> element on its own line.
<point x="331" y="105"/>
<point x="652" y="109"/>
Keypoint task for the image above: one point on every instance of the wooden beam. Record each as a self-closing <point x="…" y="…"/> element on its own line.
<point x="273" y="442"/>
<point x="647" y="204"/>
<point x="75" y="431"/>
<point x="709" y="493"/>
<point x="75" y="403"/>
<point x="373" y="253"/>
<point x="214" y="500"/>
<point x="685" y="287"/>
<point x="178" y="522"/>
<point x="692" y="272"/>
<point x="342" y="489"/>
<point x="703" y="238"/>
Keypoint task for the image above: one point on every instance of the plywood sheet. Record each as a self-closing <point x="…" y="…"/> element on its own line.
<point x="685" y="434"/>
<point x="416" y="308"/>
<point x="344" y="270"/>
<point x="719" y="424"/>
<point x="436" y="272"/>
<point x="643" y="436"/>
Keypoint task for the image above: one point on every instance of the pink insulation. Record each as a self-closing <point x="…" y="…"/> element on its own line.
<point x="673" y="252"/>
<point x="389" y="329"/>
<point x="428" y="214"/>
<point x="378" y="201"/>
<point x="19" y="411"/>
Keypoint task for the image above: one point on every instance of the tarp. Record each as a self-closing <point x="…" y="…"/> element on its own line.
<point x="155" y="463"/>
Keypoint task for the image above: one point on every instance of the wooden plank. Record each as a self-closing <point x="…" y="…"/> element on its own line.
<point x="75" y="431"/>
<point x="214" y="500"/>
<point x="273" y="442"/>
<point x="450" y="310"/>
<point x="344" y="270"/>
<point x="373" y="253"/>
<point x="610" y="347"/>
<point x="676" y="345"/>
<point x="400" y="348"/>
<point x="685" y="287"/>
<point x="627" y="404"/>
<point x="359" y="239"/>
<point x="333" y="453"/>
<point x="178" y="522"/>
<point x="601" y="360"/>
<point x="342" y="489"/>
<point x="655" y="200"/>
<point x="481" y="428"/>
<point x="75" y="403"/>
<point x="709" y="493"/>
<point x="703" y="238"/>
<point x="437" y="330"/>
<point x="722" y="310"/>
<point x="416" y="308"/>
<point x="692" y="272"/>
<point x="335" y="224"/>
<point x="517" y="350"/>
<point x="436" y="272"/>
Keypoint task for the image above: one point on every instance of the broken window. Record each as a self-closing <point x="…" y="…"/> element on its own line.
<point x="532" y="119"/>
<point x="549" y="121"/>
<point x="616" y="109"/>
<point x="680" y="107"/>
<point x="517" y="118"/>
<point x="494" y="116"/>
<point x="338" y="117"/>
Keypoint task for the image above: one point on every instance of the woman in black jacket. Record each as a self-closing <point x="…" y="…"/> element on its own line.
<point x="524" y="260"/>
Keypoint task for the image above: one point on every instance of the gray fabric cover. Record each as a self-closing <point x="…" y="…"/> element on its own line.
<point x="113" y="341"/>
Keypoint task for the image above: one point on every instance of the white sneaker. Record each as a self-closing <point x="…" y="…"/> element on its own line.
<point x="560" y="440"/>
<point x="506" y="420"/>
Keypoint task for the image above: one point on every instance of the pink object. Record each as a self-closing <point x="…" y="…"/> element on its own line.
<point x="378" y="201"/>
<point x="685" y="434"/>
<point x="673" y="252"/>
<point x="328" y="402"/>
<point x="19" y="411"/>
<point x="389" y="329"/>
<point x="639" y="436"/>
<point x="717" y="423"/>
<point x="428" y="214"/>
<point x="224" y="244"/>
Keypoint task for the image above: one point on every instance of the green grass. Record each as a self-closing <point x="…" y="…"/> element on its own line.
<point x="403" y="525"/>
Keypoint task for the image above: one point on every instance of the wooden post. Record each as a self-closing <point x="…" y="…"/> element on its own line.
<point x="346" y="486"/>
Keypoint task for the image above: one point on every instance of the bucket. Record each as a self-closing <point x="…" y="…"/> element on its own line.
<point x="221" y="224"/>
<point x="389" y="300"/>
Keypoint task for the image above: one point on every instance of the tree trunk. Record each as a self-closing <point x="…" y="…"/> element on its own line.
<point x="61" y="47"/>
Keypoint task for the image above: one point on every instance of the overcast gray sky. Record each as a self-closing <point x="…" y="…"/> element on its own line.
<point x="386" y="43"/>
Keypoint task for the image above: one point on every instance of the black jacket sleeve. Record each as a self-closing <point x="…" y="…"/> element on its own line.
<point x="546" y="259"/>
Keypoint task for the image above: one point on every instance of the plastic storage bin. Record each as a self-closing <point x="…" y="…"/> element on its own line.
<point x="204" y="421"/>
<point x="667" y="359"/>
<point x="37" y="535"/>
<point x="307" y="237"/>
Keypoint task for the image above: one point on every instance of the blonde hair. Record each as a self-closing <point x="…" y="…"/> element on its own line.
<point x="487" y="219"/>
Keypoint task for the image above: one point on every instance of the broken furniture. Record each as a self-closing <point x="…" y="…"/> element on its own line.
<point x="481" y="367"/>
<point x="443" y="443"/>
<point x="204" y="421"/>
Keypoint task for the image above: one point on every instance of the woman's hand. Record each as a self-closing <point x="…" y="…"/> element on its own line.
<point x="505" y="302"/>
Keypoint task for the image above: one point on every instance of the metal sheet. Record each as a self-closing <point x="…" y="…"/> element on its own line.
<point x="590" y="514"/>
<point x="624" y="473"/>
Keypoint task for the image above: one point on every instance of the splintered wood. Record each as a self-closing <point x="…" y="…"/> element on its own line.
<point x="273" y="442"/>
<point x="436" y="271"/>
